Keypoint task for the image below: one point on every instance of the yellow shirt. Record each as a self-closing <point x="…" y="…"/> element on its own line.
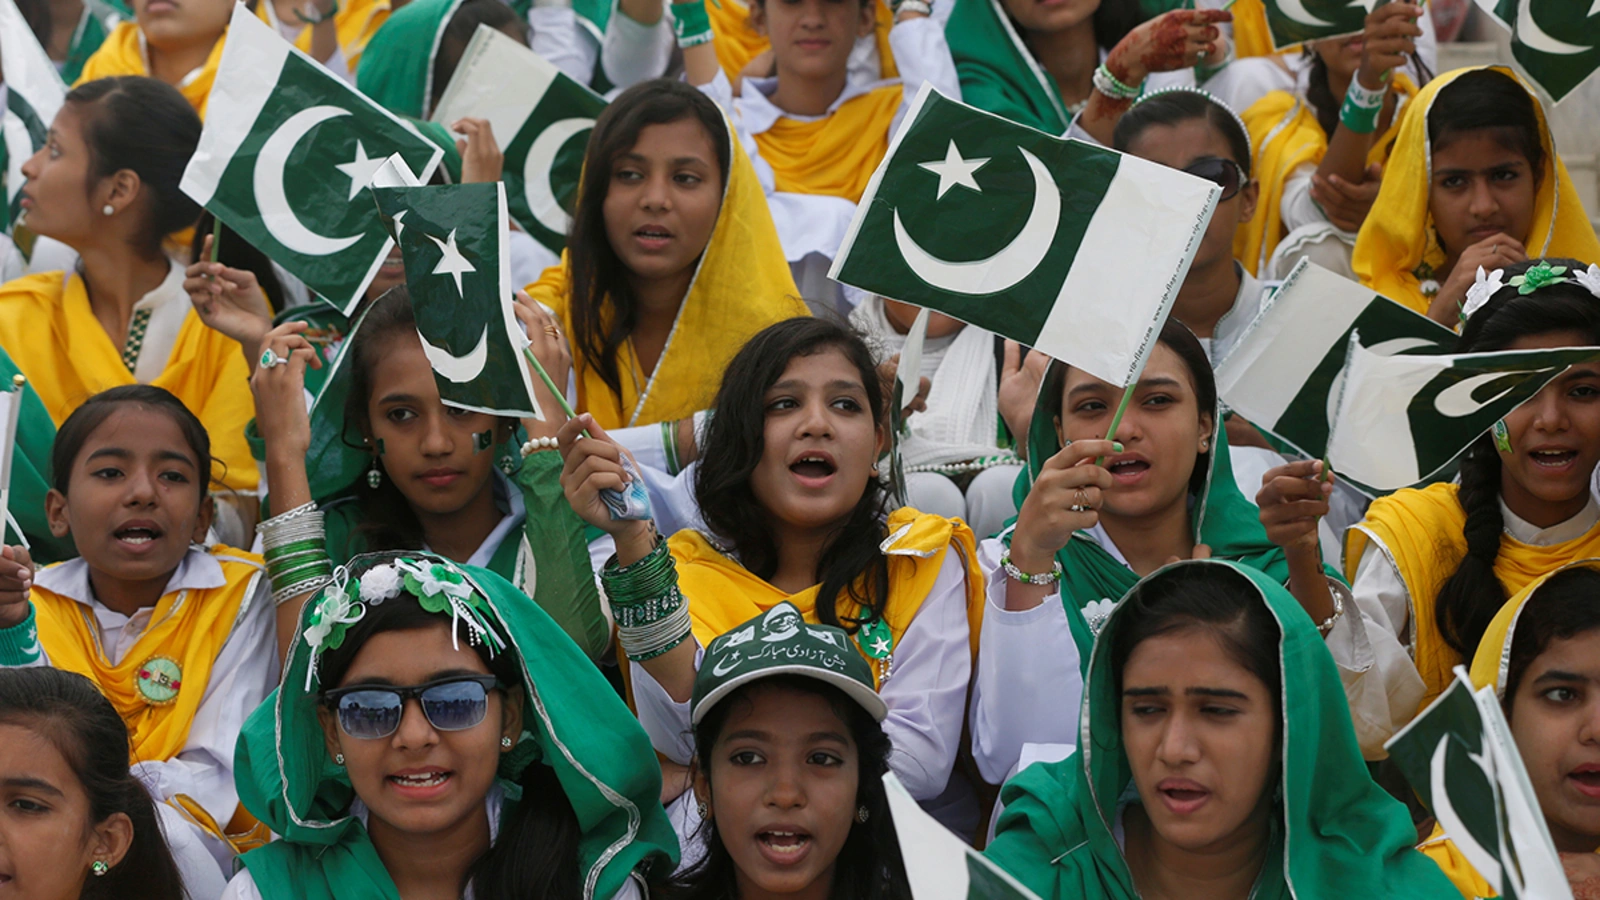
<point x="123" y="54"/>
<point x="837" y="153"/>
<point x="737" y="42"/>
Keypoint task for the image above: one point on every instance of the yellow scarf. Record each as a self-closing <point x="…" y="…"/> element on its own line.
<point x="122" y="55"/>
<point x="737" y="43"/>
<point x="52" y="335"/>
<point x="722" y="594"/>
<point x="1398" y="234"/>
<point x="742" y="286"/>
<point x="836" y="154"/>
<point x="356" y="22"/>
<point x="1423" y="530"/>
<point x="1251" y="36"/>
<point x="1286" y="135"/>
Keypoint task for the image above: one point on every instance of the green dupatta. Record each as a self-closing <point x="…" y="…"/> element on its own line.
<point x="1337" y="833"/>
<point x="30" y="475"/>
<point x="998" y="73"/>
<point x="396" y="69"/>
<point x="572" y="722"/>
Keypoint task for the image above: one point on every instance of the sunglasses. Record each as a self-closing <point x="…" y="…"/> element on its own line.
<point x="372" y="712"/>
<point x="1224" y="173"/>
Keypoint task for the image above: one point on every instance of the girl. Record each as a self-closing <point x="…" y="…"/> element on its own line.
<point x="331" y="33"/>
<point x="179" y="637"/>
<point x="1434" y="564"/>
<point x="794" y="512"/>
<point x="672" y="261"/>
<point x="437" y="736"/>
<point x="106" y="184"/>
<point x="789" y="765"/>
<point x="1539" y="655"/>
<point x="176" y="43"/>
<point x="76" y="824"/>
<point x="1223" y="761"/>
<point x="1473" y="180"/>
<point x="437" y="478"/>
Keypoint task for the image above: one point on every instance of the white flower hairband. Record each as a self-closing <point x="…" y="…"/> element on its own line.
<point x="1538" y="276"/>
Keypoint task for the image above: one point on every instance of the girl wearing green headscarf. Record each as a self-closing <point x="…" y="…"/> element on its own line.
<point x="437" y="735"/>
<point x="1215" y="759"/>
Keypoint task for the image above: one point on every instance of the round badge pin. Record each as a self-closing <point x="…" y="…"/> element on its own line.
<point x="159" y="679"/>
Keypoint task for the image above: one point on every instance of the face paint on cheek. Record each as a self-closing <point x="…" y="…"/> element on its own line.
<point x="1502" y="437"/>
<point x="482" y="440"/>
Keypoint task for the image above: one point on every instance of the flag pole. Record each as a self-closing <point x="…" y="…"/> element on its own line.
<point x="216" y="237"/>
<point x="561" y="396"/>
<point x="1116" y="417"/>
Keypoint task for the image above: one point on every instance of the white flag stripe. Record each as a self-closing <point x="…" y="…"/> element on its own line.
<point x="514" y="330"/>
<point x="1371" y="440"/>
<point x="10" y="410"/>
<point x="1088" y="327"/>
<point x="247" y="74"/>
<point x="936" y="860"/>
<point x="513" y="81"/>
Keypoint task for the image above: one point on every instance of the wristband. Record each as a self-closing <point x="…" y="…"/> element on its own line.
<point x="691" y="23"/>
<point x="1108" y="84"/>
<point x="1357" y="118"/>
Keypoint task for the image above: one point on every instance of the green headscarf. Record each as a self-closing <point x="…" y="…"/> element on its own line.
<point x="997" y="70"/>
<point x="394" y="71"/>
<point x="572" y="722"/>
<point x="1336" y="834"/>
<point x="1222" y="518"/>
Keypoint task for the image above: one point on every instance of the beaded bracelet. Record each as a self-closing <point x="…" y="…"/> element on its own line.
<point x="1051" y="577"/>
<point x="1108" y="84"/>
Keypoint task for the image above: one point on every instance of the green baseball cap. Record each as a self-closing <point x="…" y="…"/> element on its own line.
<point x="781" y="642"/>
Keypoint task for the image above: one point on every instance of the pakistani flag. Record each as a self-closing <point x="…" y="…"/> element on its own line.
<point x="1293" y="22"/>
<point x="939" y="865"/>
<point x="458" y="271"/>
<point x="10" y="414"/>
<point x="1401" y="420"/>
<point x="274" y="111"/>
<point x="542" y="119"/>
<point x="1063" y="246"/>
<point x="1283" y="372"/>
<point x="1460" y="758"/>
<point x="33" y="94"/>
<point x="1557" y="42"/>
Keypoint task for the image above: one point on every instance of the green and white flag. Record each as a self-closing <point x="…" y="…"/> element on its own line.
<point x="10" y="414"/>
<point x="1463" y="763"/>
<point x="1557" y="42"/>
<point x="1283" y="372"/>
<point x="458" y="271"/>
<point x="541" y="119"/>
<point x="34" y="92"/>
<point x="1291" y="22"/>
<point x="1063" y="246"/>
<point x="939" y="865"/>
<point x="275" y="111"/>
<point x="1401" y="420"/>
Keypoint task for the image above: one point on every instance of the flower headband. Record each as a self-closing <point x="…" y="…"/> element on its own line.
<point x="1191" y="89"/>
<point x="438" y="586"/>
<point x="1541" y="275"/>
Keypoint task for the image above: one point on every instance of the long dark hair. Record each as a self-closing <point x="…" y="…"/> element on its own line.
<point x="1171" y="107"/>
<point x="1561" y="608"/>
<point x="75" y="431"/>
<point x="536" y="853"/>
<point x="1114" y="19"/>
<point x="603" y="308"/>
<point x="69" y="711"/>
<point x="869" y="866"/>
<point x="142" y="124"/>
<point x="735" y="441"/>
<point x="387" y="520"/>
<point x="1470" y="597"/>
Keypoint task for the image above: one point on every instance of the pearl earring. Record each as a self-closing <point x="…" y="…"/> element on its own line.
<point x="701" y="808"/>
<point x="505" y="742"/>
<point x="338" y="759"/>
<point x="108" y="209"/>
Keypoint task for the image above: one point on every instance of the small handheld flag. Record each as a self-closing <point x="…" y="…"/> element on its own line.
<point x="540" y="117"/>
<point x="10" y="412"/>
<point x="937" y="227"/>
<point x="939" y="865"/>
<point x="1291" y="22"/>
<point x="1557" y="42"/>
<point x="34" y="93"/>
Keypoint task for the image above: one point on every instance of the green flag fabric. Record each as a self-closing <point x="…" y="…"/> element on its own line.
<point x="939" y="865"/>
<point x="1291" y="22"/>
<point x="1460" y="757"/>
<point x="1557" y="42"/>
<point x="29" y="476"/>
<point x="540" y="117"/>
<point x="274" y="110"/>
<point x="458" y="270"/>
<point x="98" y="19"/>
<point x="1056" y="220"/>
<point x="34" y="93"/>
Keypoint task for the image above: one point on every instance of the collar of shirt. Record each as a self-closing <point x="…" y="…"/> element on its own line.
<point x="198" y="570"/>
<point x="507" y="499"/>
<point x="1522" y="530"/>
<point x="758" y="113"/>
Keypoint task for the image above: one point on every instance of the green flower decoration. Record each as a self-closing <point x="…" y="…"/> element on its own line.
<point x="1541" y="275"/>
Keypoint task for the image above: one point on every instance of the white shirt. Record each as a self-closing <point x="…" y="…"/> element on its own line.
<point x="556" y="33"/>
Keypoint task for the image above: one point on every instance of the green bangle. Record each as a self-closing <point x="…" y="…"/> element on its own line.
<point x="650" y="577"/>
<point x="691" y="23"/>
<point x="1357" y="118"/>
<point x="313" y="568"/>
<point x="292" y="549"/>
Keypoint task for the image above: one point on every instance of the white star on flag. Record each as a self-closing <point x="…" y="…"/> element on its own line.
<point x="452" y="263"/>
<point x="955" y="170"/>
<point x="361" y="169"/>
<point x="1594" y="9"/>
<point x="398" y="227"/>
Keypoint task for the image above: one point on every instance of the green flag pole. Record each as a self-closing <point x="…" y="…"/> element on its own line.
<point x="561" y="396"/>
<point x="1116" y="417"/>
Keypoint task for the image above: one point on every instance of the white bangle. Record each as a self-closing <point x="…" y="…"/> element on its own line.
<point x="916" y="6"/>
<point x="1326" y="625"/>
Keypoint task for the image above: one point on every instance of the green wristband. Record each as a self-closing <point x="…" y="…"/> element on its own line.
<point x="691" y="23"/>
<point x="1359" y="119"/>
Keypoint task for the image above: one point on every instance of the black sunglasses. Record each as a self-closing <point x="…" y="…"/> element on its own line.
<point x="1225" y="173"/>
<point x="371" y="711"/>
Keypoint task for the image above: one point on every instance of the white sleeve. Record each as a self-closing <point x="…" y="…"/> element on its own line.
<point x="242" y="887"/>
<point x="632" y="51"/>
<point x="922" y="55"/>
<point x="246" y="670"/>
<point x="665" y="719"/>
<point x="1380" y="679"/>
<point x="1029" y="684"/>
<point x="556" y="34"/>
<point x="340" y="66"/>
<point x="1296" y="208"/>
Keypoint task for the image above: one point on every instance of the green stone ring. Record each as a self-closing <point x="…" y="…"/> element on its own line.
<point x="270" y="358"/>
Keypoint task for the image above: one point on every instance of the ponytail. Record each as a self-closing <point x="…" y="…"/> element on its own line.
<point x="1471" y="596"/>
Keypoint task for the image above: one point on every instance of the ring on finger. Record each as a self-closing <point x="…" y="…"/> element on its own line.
<point x="552" y="330"/>
<point x="271" y="359"/>
<point x="1082" y="501"/>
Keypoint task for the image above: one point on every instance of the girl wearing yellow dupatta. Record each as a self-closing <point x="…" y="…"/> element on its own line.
<point x="178" y="43"/>
<point x="106" y="185"/>
<point x="1473" y="181"/>
<point x="794" y="511"/>
<point x="672" y="263"/>
<point x="1541" y="654"/>
<point x="1434" y="564"/>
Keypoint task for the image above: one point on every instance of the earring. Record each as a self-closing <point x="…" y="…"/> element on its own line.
<point x="374" y="475"/>
<point x="505" y="742"/>
<point x="862" y="814"/>
<point x="701" y="808"/>
<point x="338" y="759"/>
<point x="874" y="470"/>
<point x="99" y="868"/>
<point x="109" y="210"/>
<point x="1205" y="445"/>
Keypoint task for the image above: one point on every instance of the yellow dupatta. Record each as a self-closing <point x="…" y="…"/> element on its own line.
<point x="1423" y="530"/>
<point x="737" y="43"/>
<point x="837" y="153"/>
<point x="356" y="22"/>
<point x="1398" y="234"/>
<point x="1286" y="135"/>
<point x="52" y="335"/>
<point x="723" y="594"/>
<point x="122" y="54"/>
<point x="742" y="285"/>
<point x="1251" y="36"/>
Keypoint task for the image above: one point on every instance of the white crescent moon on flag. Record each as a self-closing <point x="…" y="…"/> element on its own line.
<point x="459" y="369"/>
<point x="536" y="173"/>
<point x="1531" y="35"/>
<point x="1390" y="347"/>
<point x="1296" y="10"/>
<point x="1480" y="858"/>
<point x="273" y="203"/>
<point x="1456" y="400"/>
<point x="1004" y="270"/>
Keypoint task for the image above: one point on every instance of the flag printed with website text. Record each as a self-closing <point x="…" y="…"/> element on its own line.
<point x="541" y="119"/>
<point x="1557" y="42"/>
<point x="34" y="93"/>
<point x="458" y="272"/>
<point x="1063" y="246"/>
<point x="286" y="158"/>
<point x="939" y="865"/>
